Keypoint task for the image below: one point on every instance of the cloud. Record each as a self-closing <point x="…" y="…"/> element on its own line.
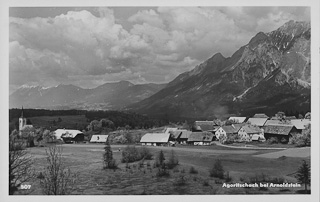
<point x="88" y="47"/>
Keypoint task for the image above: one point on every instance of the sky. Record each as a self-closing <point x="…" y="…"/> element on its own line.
<point x="90" y="46"/>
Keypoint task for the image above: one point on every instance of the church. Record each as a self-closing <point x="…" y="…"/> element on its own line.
<point x="23" y="123"/>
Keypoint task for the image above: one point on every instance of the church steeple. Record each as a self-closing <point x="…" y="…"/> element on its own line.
<point x="21" y="112"/>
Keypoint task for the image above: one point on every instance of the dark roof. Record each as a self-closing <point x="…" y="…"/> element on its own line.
<point x="185" y="134"/>
<point x="251" y="129"/>
<point x="175" y="134"/>
<point x="278" y="129"/>
<point x="257" y="121"/>
<point x="260" y="116"/>
<point x="200" y="137"/>
<point x="229" y="129"/>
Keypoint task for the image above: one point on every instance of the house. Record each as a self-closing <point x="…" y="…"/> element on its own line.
<point x="257" y="121"/>
<point x="200" y="138"/>
<point x="68" y="135"/>
<point x="300" y="124"/>
<point x="248" y="133"/>
<point x="238" y="119"/>
<point x="183" y="138"/>
<point x="155" y="139"/>
<point x="281" y="132"/>
<point x="260" y="116"/>
<point x="222" y="132"/>
<point x="99" y="138"/>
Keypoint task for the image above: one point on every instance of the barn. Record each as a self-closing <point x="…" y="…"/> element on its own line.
<point x="156" y="139"/>
<point x="68" y="135"/>
<point x="281" y="132"/>
<point x="99" y="138"/>
<point x="200" y="138"/>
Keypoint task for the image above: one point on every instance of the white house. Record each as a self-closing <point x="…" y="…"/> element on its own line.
<point x="248" y="133"/>
<point x="155" y="139"/>
<point x="66" y="132"/>
<point x="99" y="138"/>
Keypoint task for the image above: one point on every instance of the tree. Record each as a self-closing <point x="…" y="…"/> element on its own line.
<point x="160" y="159"/>
<point x="173" y="160"/>
<point x="29" y="135"/>
<point x="57" y="179"/>
<point x="303" y="175"/>
<point x="109" y="162"/>
<point x="20" y="163"/>
<point x="217" y="170"/>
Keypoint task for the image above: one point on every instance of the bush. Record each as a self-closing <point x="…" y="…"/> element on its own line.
<point x="273" y="140"/>
<point x="217" y="170"/>
<point x="181" y="181"/>
<point x="145" y="153"/>
<point x="162" y="172"/>
<point x="132" y="154"/>
<point x="193" y="170"/>
<point x="160" y="159"/>
<point x="301" y="140"/>
<point x="284" y="140"/>
<point x="205" y="183"/>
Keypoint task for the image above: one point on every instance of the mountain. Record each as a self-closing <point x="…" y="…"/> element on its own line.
<point x="107" y="96"/>
<point x="270" y="73"/>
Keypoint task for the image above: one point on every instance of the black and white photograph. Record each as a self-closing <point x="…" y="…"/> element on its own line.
<point x="161" y="100"/>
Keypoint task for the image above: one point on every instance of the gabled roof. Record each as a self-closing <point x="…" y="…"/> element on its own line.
<point x="278" y="129"/>
<point x="257" y="121"/>
<point x="239" y="119"/>
<point x="290" y="117"/>
<point x="72" y="133"/>
<point x="277" y="123"/>
<point x="200" y="137"/>
<point x="229" y="129"/>
<point x="99" y="138"/>
<point x="167" y="130"/>
<point x="300" y="124"/>
<point x="251" y="129"/>
<point x="155" y="137"/>
<point x="185" y="134"/>
<point x="176" y="134"/>
<point x="237" y="126"/>
<point x="260" y="116"/>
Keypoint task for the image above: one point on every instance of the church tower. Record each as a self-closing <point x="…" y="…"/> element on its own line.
<point x="22" y="121"/>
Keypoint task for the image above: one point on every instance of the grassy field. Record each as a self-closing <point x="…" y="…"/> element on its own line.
<point x="242" y="165"/>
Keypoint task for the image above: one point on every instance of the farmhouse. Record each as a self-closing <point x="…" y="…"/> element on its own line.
<point x="249" y="133"/>
<point x="223" y="131"/>
<point x="282" y="132"/>
<point x="183" y="138"/>
<point x="257" y="121"/>
<point x="155" y="139"/>
<point x="200" y="138"/>
<point x="99" y="138"/>
<point x="238" y="119"/>
<point x="69" y="135"/>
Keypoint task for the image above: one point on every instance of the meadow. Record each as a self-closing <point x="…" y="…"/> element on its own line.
<point x="139" y="178"/>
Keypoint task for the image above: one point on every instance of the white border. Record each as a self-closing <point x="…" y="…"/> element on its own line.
<point x="4" y="72"/>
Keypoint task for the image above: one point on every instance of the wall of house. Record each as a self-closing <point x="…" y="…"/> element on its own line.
<point x="220" y="132"/>
<point x="243" y="136"/>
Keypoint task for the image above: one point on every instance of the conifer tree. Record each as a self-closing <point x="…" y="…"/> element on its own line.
<point x="303" y="175"/>
<point x="108" y="160"/>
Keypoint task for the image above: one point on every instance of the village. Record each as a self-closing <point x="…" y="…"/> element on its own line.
<point x="258" y="128"/>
